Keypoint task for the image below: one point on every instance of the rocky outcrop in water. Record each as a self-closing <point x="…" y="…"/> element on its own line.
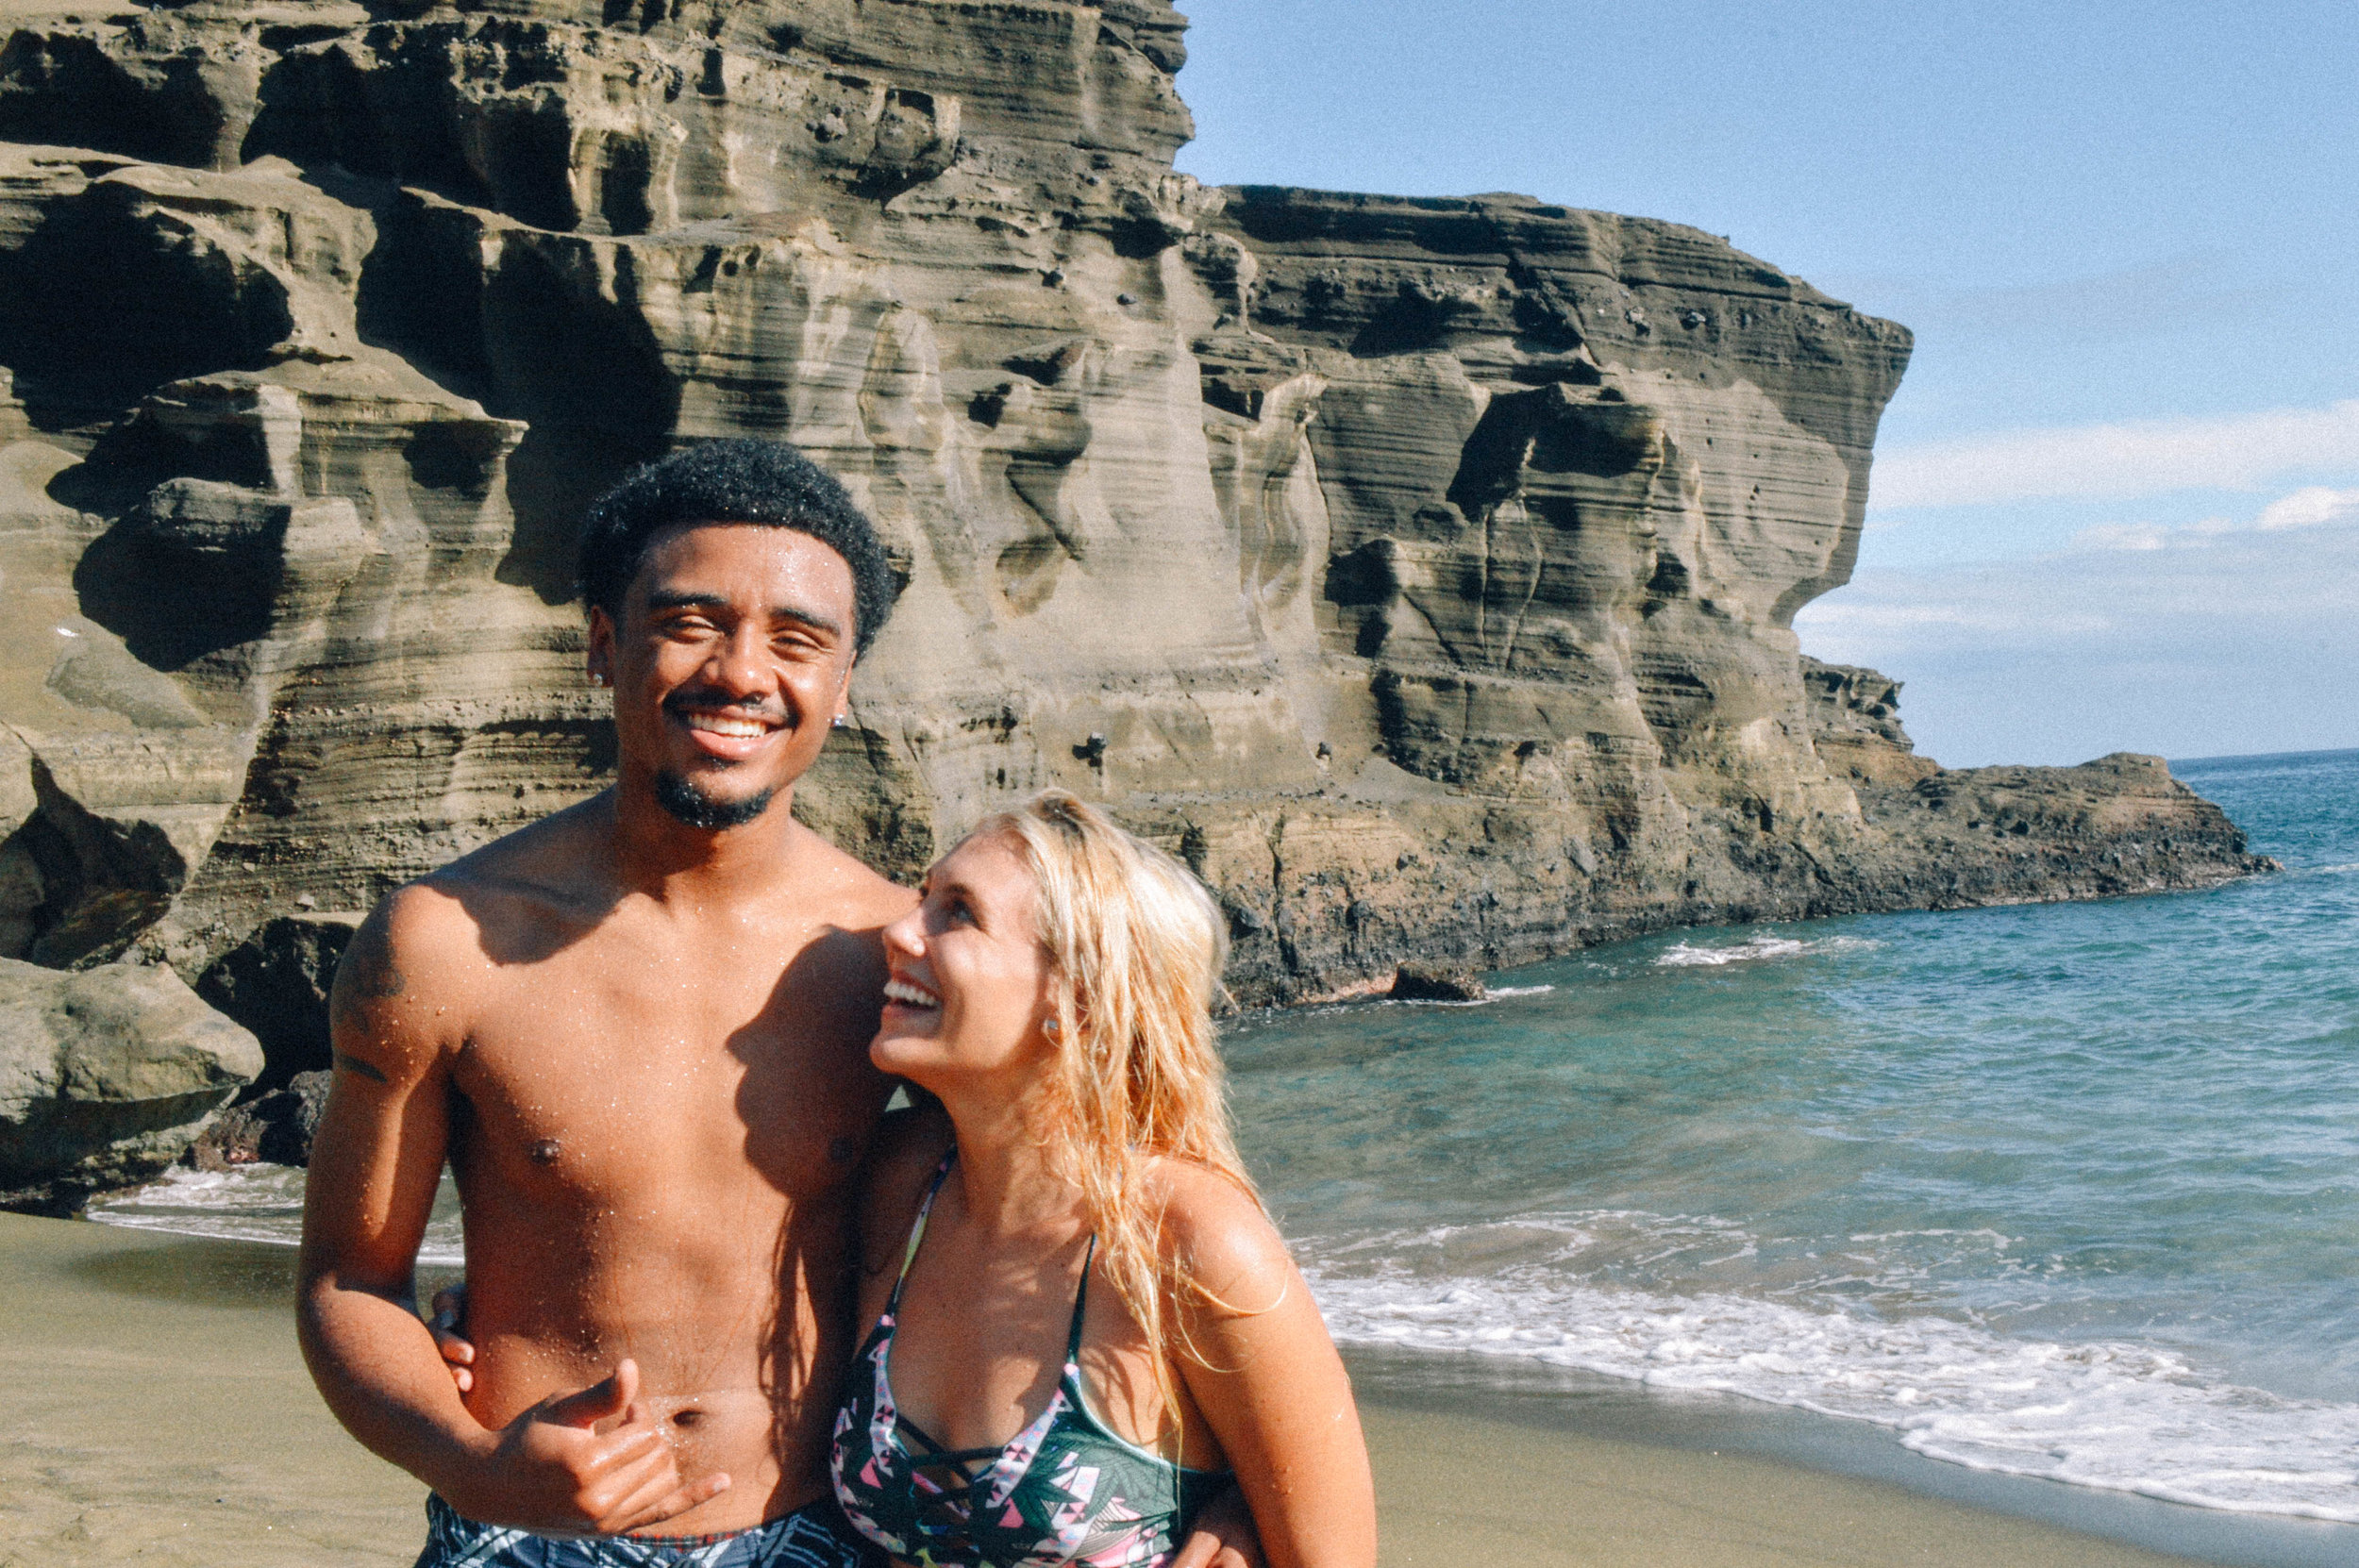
<point x="106" y="1075"/>
<point x="273" y="1127"/>
<point x="1422" y="571"/>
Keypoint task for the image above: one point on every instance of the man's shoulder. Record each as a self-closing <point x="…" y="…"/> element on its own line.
<point x="463" y="911"/>
<point x="848" y="892"/>
<point x="561" y="857"/>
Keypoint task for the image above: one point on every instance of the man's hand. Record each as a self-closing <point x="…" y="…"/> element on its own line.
<point x="1224" y="1536"/>
<point x="449" y="1326"/>
<point x="589" y="1463"/>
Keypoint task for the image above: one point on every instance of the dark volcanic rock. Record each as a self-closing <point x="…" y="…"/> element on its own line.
<point x="1422" y="571"/>
<point x="275" y="983"/>
<point x="1433" y="982"/>
<point x="273" y="1128"/>
<point x="2119" y="825"/>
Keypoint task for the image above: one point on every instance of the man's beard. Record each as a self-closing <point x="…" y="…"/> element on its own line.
<point x="676" y="795"/>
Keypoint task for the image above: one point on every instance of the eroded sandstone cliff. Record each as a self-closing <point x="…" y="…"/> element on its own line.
<point x="1422" y="571"/>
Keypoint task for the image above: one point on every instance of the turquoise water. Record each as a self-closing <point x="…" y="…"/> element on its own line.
<point x="2067" y="1190"/>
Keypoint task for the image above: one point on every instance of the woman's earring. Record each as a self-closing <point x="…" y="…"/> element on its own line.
<point x="1052" y="1029"/>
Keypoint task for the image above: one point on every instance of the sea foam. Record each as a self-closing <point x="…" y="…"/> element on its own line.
<point x="2125" y="1417"/>
<point x="250" y="1203"/>
<point x="1754" y="949"/>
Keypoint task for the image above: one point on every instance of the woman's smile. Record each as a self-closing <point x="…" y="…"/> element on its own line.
<point x="910" y="994"/>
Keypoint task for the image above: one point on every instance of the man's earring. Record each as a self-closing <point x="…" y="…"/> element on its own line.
<point x="596" y="679"/>
<point x="839" y="722"/>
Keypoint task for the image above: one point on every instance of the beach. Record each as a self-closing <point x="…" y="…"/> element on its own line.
<point x="1997" y="1237"/>
<point x="161" y="1414"/>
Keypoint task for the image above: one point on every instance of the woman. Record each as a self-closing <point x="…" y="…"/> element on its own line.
<point x="1084" y="1322"/>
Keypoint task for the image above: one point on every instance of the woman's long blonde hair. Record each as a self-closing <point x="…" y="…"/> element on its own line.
<point x="1138" y="945"/>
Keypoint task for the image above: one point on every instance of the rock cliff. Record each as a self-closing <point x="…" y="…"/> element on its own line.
<point x="1422" y="571"/>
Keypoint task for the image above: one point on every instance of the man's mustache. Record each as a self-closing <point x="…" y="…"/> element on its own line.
<point x="678" y="704"/>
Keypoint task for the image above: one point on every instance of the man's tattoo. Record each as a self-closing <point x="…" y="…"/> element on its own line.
<point x="379" y="981"/>
<point x="367" y="974"/>
<point x="366" y="1069"/>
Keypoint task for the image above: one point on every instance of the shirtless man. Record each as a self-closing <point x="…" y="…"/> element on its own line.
<point x="638" y="1030"/>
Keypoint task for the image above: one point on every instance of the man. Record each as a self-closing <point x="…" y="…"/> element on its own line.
<point x="638" y="1031"/>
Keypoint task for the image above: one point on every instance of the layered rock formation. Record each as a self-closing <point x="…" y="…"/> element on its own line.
<point x="1422" y="571"/>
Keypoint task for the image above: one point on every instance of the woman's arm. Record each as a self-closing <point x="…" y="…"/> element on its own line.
<point x="1267" y="1380"/>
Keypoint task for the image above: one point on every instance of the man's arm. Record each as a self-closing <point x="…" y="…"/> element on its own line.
<point x="397" y="1017"/>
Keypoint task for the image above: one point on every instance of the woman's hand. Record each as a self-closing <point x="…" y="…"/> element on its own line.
<point x="450" y="1313"/>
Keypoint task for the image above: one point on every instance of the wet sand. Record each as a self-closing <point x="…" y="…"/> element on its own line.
<point x="1457" y="1489"/>
<point x="158" y="1413"/>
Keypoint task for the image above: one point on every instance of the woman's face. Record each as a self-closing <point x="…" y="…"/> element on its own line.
<point x="970" y="983"/>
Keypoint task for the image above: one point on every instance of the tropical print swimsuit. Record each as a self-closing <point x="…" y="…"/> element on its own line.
<point x="1063" y="1491"/>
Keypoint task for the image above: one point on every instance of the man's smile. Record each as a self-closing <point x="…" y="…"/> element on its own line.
<point x="726" y="724"/>
<point x="727" y="732"/>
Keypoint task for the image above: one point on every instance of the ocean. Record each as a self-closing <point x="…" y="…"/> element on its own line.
<point x="2066" y="1191"/>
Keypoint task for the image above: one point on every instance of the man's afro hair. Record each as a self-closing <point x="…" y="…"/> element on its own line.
<point x="735" y="481"/>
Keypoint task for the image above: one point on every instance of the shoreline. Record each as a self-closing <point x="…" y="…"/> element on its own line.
<point x="163" y="1412"/>
<point x="1580" y="1411"/>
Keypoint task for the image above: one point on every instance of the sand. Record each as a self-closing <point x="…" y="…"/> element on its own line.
<point x="1459" y="1490"/>
<point x="158" y="1413"/>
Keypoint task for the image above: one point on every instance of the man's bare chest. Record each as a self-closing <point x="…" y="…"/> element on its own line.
<point x="612" y="1086"/>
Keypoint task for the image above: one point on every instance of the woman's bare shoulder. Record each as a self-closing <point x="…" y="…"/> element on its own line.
<point x="1220" y="1232"/>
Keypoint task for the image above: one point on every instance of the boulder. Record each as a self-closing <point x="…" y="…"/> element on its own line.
<point x="106" y="1075"/>
<point x="274" y="1128"/>
<point x="1438" y="982"/>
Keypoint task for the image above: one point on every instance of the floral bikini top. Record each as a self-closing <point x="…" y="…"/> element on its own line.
<point x="1064" y="1491"/>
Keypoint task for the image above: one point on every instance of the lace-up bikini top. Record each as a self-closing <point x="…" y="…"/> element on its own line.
<point x="1064" y="1491"/>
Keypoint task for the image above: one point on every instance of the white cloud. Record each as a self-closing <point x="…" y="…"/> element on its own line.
<point x="2307" y="508"/>
<point x="2125" y="536"/>
<point x="2198" y="641"/>
<point x="2123" y="460"/>
<point x="2311" y="506"/>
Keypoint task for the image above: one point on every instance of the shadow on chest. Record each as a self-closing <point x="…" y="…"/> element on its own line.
<point x="601" y="1088"/>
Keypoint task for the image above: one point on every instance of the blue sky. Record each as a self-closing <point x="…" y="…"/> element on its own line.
<point x="2116" y="499"/>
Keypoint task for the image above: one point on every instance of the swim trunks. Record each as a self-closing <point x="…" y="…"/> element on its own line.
<point x="813" y="1536"/>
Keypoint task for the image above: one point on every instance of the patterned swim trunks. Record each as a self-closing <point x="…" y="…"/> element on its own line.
<point x="813" y="1536"/>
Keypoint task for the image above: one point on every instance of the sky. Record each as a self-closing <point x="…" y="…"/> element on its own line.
<point x="2116" y="500"/>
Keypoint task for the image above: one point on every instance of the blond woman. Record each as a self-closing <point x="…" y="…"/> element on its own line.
<point x="1081" y="1322"/>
